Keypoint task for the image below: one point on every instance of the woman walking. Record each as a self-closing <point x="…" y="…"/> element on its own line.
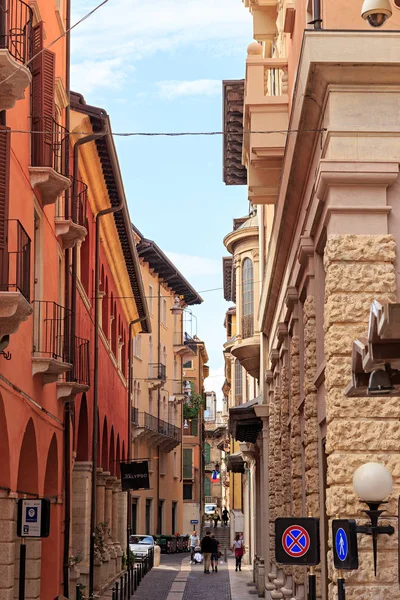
<point x="238" y="549"/>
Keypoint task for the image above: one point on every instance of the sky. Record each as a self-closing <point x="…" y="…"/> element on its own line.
<point x="158" y="66"/>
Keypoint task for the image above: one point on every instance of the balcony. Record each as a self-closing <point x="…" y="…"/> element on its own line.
<point x="49" y="145"/>
<point x="71" y="215"/>
<point x="15" y="275"/>
<point x="51" y="356"/>
<point x="77" y="380"/>
<point x="266" y="109"/>
<point x="15" y="51"/>
<point x="182" y="344"/>
<point x="179" y="393"/>
<point x="155" y="431"/>
<point x="157" y="375"/>
<point x="247" y="347"/>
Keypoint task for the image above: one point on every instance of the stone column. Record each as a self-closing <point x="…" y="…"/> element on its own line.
<point x="122" y="519"/>
<point x="7" y="546"/>
<point x="108" y="518"/>
<point x="359" y="269"/>
<point x="81" y="503"/>
<point x="101" y="570"/>
<point x="116" y="490"/>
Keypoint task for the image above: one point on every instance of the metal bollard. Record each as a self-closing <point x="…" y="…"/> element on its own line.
<point x="135" y="584"/>
<point x="126" y="586"/>
<point x="121" y="581"/>
<point x="116" y="590"/>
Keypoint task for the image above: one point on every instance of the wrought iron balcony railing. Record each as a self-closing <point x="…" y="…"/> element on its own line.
<point x="75" y="207"/>
<point x="15" y="259"/>
<point x="51" y="330"/>
<point x="247" y="326"/>
<point x="157" y="371"/>
<point x="16" y="23"/>
<point x="49" y="144"/>
<point x="152" y="423"/>
<point x="81" y="363"/>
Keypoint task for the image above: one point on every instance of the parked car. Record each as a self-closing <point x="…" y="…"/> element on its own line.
<point x="141" y="545"/>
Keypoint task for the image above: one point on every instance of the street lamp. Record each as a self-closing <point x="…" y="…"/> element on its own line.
<point x="373" y="483"/>
<point x="177" y="308"/>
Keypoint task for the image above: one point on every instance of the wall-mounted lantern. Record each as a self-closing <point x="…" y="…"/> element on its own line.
<point x="372" y="482"/>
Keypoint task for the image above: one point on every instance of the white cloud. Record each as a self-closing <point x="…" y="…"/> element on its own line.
<point x="198" y="87"/>
<point x="90" y="74"/>
<point x="195" y="266"/>
<point x="129" y="30"/>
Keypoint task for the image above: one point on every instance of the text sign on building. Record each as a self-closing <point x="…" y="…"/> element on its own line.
<point x="135" y="475"/>
<point x="297" y="541"/>
<point x="345" y="550"/>
<point x="33" y="518"/>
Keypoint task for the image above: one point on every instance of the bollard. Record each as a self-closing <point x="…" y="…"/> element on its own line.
<point x="116" y="590"/>
<point x="134" y="579"/>
<point x="121" y="584"/>
<point x="126" y="597"/>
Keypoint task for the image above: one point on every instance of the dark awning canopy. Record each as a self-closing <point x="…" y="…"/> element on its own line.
<point x="244" y="425"/>
<point x="235" y="463"/>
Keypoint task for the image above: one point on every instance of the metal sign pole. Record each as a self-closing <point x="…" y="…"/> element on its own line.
<point x="22" y="565"/>
<point x="312" y="584"/>
<point x="341" y="586"/>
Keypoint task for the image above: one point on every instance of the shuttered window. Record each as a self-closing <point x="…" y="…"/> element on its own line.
<point x="187" y="463"/>
<point x="207" y="452"/>
<point x="43" y="107"/>
<point x="4" y="199"/>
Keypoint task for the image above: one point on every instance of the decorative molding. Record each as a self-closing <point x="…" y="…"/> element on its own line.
<point x="61" y="96"/>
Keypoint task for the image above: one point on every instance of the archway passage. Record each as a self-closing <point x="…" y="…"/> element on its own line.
<point x="111" y="462"/>
<point x="27" y="482"/>
<point x="104" y="447"/>
<point x="51" y="546"/>
<point x="82" y="443"/>
<point x="118" y="459"/>
<point x="4" y="448"/>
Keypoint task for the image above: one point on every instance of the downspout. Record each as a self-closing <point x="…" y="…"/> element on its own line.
<point x="158" y="407"/>
<point x="317" y="21"/>
<point x="102" y="213"/>
<point x="68" y="407"/>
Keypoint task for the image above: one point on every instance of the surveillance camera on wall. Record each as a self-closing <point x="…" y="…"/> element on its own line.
<point x="376" y="12"/>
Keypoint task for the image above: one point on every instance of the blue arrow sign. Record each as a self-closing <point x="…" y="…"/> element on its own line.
<point x="341" y="544"/>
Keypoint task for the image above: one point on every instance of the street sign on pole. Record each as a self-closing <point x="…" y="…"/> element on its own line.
<point x="297" y="541"/>
<point x="345" y="551"/>
<point x="194" y="521"/>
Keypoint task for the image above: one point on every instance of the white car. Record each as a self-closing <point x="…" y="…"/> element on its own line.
<point x="141" y="545"/>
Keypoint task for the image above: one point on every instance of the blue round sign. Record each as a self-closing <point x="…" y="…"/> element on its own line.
<point x="341" y="544"/>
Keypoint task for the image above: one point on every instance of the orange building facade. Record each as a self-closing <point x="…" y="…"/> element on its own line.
<point x="55" y="367"/>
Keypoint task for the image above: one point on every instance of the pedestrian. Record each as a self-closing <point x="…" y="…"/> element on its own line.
<point x="238" y="549"/>
<point x="214" y="553"/>
<point x="225" y="516"/>
<point x="207" y="548"/>
<point x="216" y="518"/>
<point x="193" y="542"/>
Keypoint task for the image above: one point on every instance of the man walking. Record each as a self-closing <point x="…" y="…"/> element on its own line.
<point x="193" y="542"/>
<point x="207" y="548"/>
<point x="225" y="516"/>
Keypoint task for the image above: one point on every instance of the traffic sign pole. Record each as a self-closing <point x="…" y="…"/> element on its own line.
<point x="312" y="584"/>
<point x="22" y="564"/>
<point x="341" y="586"/>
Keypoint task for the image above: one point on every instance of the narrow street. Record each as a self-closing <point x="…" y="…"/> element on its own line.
<point x="177" y="579"/>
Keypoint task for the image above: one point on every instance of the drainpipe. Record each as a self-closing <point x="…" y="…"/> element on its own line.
<point x="68" y="407"/>
<point x="102" y="213"/>
<point x="158" y="408"/>
<point x="317" y="21"/>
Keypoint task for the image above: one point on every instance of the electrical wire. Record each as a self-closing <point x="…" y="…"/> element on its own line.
<point x="27" y="63"/>
<point x="173" y="133"/>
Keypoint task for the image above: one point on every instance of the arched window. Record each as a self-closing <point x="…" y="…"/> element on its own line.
<point x="207" y="486"/>
<point x="247" y="298"/>
<point x="238" y="383"/>
<point x="114" y="331"/>
<point x="207" y="454"/>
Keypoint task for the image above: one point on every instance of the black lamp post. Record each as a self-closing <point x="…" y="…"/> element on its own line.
<point x="372" y="482"/>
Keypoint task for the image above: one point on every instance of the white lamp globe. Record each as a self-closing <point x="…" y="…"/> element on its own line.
<point x="372" y="482"/>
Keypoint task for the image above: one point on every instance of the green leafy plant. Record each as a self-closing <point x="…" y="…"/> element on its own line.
<point x="102" y="533"/>
<point x="75" y="558"/>
<point x="192" y="408"/>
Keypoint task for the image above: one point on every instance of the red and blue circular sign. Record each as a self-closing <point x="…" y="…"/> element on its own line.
<point x="296" y="541"/>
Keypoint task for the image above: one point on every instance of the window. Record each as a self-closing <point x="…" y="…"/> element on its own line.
<point x="151" y="299"/>
<point x="176" y="465"/>
<point x="187" y="491"/>
<point x="187" y="463"/>
<point x="174" y="515"/>
<point x="134" y="515"/>
<point x="188" y="364"/>
<point x="238" y="383"/>
<point x="164" y="312"/>
<point x="85" y="263"/>
<point x="165" y="356"/>
<point x="247" y="298"/>
<point x="137" y="346"/>
<point x="207" y="452"/>
<point x="160" y="516"/>
<point x="148" y="515"/>
<point x="207" y="486"/>
<point x="163" y="463"/>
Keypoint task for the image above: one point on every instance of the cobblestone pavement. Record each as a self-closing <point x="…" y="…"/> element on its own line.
<point x="215" y="586"/>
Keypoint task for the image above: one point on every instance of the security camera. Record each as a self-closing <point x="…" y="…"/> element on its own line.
<point x="376" y="12"/>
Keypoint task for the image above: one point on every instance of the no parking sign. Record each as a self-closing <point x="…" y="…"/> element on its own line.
<point x="297" y="541"/>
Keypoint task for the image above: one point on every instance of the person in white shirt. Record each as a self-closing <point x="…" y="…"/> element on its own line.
<point x="193" y="542"/>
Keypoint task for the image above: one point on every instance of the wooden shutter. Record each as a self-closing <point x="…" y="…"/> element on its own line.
<point x="187" y="463"/>
<point x="43" y="108"/>
<point x="4" y="200"/>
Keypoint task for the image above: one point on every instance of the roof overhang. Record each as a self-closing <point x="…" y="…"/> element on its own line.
<point x="229" y="279"/>
<point x="234" y="172"/>
<point x="235" y="463"/>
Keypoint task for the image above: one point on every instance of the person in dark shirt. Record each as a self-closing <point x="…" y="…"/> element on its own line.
<point x="207" y="549"/>
<point x="214" y="553"/>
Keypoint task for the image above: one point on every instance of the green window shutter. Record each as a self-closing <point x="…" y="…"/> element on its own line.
<point x="187" y="463"/>
<point x="207" y="487"/>
<point x="207" y="452"/>
<point x="195" y="426"/>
